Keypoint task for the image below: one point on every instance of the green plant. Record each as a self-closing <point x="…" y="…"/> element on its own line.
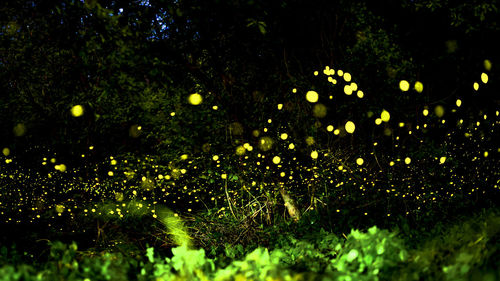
<point x="365" y="256"/>
<point x="185" y="263"/>
<point x="257" y="265"/>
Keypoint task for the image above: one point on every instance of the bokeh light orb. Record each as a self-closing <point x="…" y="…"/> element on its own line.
<point x="77" y="110"/>
<point x="404" y="85"/>
<point x="195" y="99"/>
<point x="314" y="154"/>
<point x="439" y="111"/>
<point x="319" y="110"/>
<point x="276" y="160"/>
<point x="312" y="96"/>
<point x="419" y="87"/>
<point x="350" y="127"/>
<point x="385" y="116"/>
<point x="360" y="161"/>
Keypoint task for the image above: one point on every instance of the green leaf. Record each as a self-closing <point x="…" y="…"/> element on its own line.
<point x="368" y="259"/>
<point x="352" y="255"/>
<point x="150" y="254"/>
<point x="403" y="255"/>
<point x="262" y="28"/>
<point x="373" y="230"/>
<point x="380" y="249"/>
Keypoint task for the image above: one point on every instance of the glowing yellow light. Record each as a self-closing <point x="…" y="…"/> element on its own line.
<point x="425" y="112"/>
<point x="294" y="90"/>
<point x="77" y="110"/>
<point x="354" y="86"/>
<point x="336" y="132"/>
<point x="310" y="140"/>
<point x="184" y="156"/>
<point x="360" y="161"/>
<point x="419" y="87"/>
<point x="484" y="78"/>
<point x="442" y="159"/>
<point x="485" y="154"/>
<point x="215" y="157"/>
<point x="291" y="146"/>
<point x="110" y="173"/>
<point x="60" y="167"/>
<point x="407" y="160"/>
<point x="265" y="143"/>
<point x="378" y="121"/>
<point x="340" y="168"/>
<point x="458" y="103"/>
<point x="316" y="73"/>
<point x="348" y="90"/>
<point x="326" y="70"/>
<point x="401" y="124"/>
<point x="476" y="86"/>
<point x="329" y="128"/>
<point x="172" y="114"/>
<point x="360" y="94"/>
<point x="391" y="163"/>
<point x="59" y="208"/>
<point x="6" y="151"/>
<point x="284" y="136"/>
<point x="487" y="64"/>
<point x="385" y="116"/>
<point x="340" y="72"/>
<point x="19" y="130"/>
<point x="319" y="110"/>
<point x="195" y="99"/>
<point x="223" y="176"/>
<point x="439" y="111"/>
<point x="349" y="127"/>
<point x="215" y="107"/>
<point x="314" y="154"/>
<point x="347" y="76"/>
<point x="280" y="106"/>
<point x="240" y="150"/>
<point x="312" y="96"/>
<point x="404" y="85"/>
<point x="276" y="160"/>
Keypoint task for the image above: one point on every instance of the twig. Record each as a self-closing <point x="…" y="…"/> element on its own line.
<point x="228" y="199"/>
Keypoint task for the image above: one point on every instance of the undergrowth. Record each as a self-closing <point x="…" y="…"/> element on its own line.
<point x="465" y="250"/>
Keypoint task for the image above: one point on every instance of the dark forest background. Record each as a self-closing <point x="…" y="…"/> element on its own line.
<point x="255" y="153"/>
